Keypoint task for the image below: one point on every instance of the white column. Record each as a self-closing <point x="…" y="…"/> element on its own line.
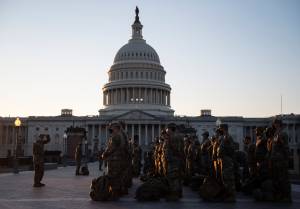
<point x="132" y="131"/>
<point x="99" y="135"/>
<point x="159" y="129"/>
<point x="106" y="133"/>
<point x="121" y="96"/>
<point x="93" y="132"/>
<point x="109" y="97"/>
<point x="294" y="133"/>
<point x="140" y="135"/>
<point x="103" y="97"/>
<point x="127" y="95"/>
<point x="133" y="94"/>
<point x="146" y="134"/>
<point x="153" y="131"/>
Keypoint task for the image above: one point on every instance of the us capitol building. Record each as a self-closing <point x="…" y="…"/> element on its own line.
<point x="137" y="94"/>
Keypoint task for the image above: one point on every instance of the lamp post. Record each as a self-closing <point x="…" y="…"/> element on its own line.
<point x="65" y="137"/>
<point x="17" y="125"/>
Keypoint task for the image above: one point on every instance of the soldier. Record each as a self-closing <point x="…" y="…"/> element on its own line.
<point x="115" y="156"/>
<point x="100" y="152"/>
<point x="279" y="154"/>
<point x="136" y="157"/>
<point x="225" y="154"/>
<point x="205" y="154"/>
<point x="250" y="166"/>
<point x="190" y="159"/>
<point x="38" y="159"/>
<point x="261" y="152"/>
<point x="174" y="157"/>
<point x="78" y="158"/>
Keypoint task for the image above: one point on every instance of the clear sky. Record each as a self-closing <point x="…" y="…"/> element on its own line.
<point x="234" y="57"/>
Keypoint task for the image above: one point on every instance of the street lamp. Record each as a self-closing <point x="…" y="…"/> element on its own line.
<point x="65" y="137"/>
<point x="17" y="125"/>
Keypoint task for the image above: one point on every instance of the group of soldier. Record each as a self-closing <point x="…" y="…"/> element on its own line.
<point x="122" y="156"/>
<point x="216" y="164"/>
<point x="218" y="168"/>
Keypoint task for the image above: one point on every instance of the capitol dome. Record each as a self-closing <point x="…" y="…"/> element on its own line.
<point x="136" y="80"/>
<point x="136" y="50"/>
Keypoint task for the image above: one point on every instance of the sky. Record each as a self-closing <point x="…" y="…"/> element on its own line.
<point x="234" y="57"/>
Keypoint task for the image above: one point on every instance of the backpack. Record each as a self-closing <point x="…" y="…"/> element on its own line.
<point x="101" y="189"/>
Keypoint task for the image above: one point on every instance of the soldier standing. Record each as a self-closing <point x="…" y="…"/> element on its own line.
<point x="261" y="152"/>
<point x="78" y="157"/>
<point x="250" y="166"/>
<point x="174" y="157"/>
<point x="205" y="154"/>
<point x="116" y="159"/>
<point x="225" y="155"/>
<point x="38" y="159"/>
<point x="136" y="157"/>
<point x="100" y="152"/>
<point x="279" y="163"/>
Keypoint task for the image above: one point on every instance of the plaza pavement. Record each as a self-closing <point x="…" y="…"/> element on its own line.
<point x="65" y="190"/>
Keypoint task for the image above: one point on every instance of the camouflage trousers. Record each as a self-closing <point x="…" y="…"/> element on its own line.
<point x="280" y="179"/>
<point x="116" y="175"/>
<point x="38" y="172"/>
<point x="227" y="174"/>
<point x="174" y="175"/>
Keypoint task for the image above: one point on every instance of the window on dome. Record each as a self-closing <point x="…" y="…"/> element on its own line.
<point x="142" y="75"/>
<point x="144" y="54"/>
<point x="132" y="54"/>
<point x="131" y="75"/>
<point x="146" y="75"/>
<point x="140" y="53"/>
<point x="136" y="74"/>
<point x="151" y="75"/>
<point x="148" y="55"/>
<point x="126" y="74"/>
<point x="136" y="54"/>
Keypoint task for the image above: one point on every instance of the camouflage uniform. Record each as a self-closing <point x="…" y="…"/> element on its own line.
<point x="174" y="158"/>
<point x="225" y="154"/>
<point x="279" y="166"/>
<point x="136" y="159"/>
<point x="78" y="157"/>
<point x="190" y="158"/>
<point x="251" y="162"/>
<point x="115" y="155"/>
<point x="261" y="152"/>
<point x="38" y="159"/>
<point x="206" y="155"/>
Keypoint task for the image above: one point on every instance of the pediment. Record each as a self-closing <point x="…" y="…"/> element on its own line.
<point x="135" y="115"/>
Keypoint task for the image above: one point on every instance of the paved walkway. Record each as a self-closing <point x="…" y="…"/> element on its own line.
<point x="65" y="190"/>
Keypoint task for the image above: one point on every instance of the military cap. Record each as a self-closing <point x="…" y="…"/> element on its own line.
<point x="259" y="130"/>
<point x="114" y="124"/>
<point x="219" y="131"/>
<point x="205" y="133"/>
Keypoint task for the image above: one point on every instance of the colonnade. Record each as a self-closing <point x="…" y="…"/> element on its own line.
<point x="136" y="95"/>
<point x="146" y="132"/>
